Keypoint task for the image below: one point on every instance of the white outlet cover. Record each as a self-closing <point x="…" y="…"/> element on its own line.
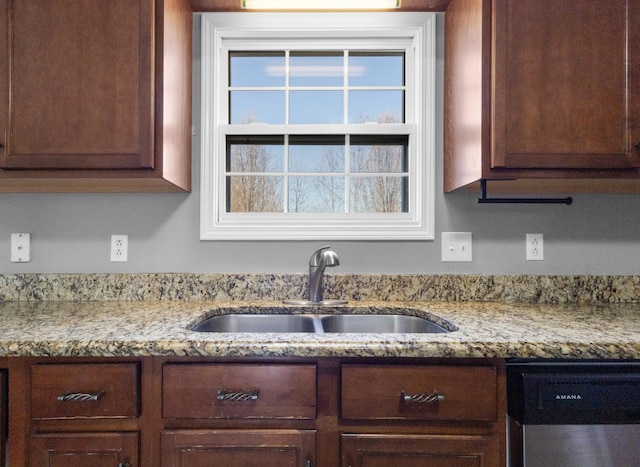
<point x="456" y="247"/>
<point x="535" y="247"/>
<point x="119" y="248"/>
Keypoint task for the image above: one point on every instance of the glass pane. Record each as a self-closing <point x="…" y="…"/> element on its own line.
<point x="378" y="194"/>
<point x="316" y="107"/>
<point x="256" y="69"/>
<point x="316" y="194"/>
<point x="376" y="106"/>
<point x="309" y="155"/>
<point x="254" y="194"/>
<point x="369" y="157"/>
<point x="376" y="69"/>
<point x="250" y="154"/>
<point x="316" y="69"/>
<point x="256" y="107"/>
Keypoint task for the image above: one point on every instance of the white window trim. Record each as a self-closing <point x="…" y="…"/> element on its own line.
<point x="418" y="224"/>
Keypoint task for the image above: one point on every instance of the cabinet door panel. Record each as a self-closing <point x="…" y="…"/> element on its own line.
<point x="266" y="448"/>
<point x="80" y="80"/>
<point x="562" y="85"/>
<point x="84" y="450"/>
<point x="419" y="451"/>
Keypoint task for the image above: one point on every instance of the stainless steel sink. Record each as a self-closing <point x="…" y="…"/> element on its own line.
<point x="378" y="324"/>
<point x="333" y="320"/>
<point x="257" y="323"/>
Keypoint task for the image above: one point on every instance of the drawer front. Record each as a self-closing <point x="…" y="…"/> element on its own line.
<point x="419" y="392"/>
<point x="239" y="391"/>
<point x="96" y="390"/>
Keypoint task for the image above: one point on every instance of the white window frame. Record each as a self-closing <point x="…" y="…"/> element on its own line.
<point x="222" y="31"/>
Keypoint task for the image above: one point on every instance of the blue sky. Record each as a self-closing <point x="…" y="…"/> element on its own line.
<point x="318" y="71"/>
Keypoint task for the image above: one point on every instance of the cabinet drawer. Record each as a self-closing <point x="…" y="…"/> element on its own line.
<point x="95" y="390"/>
<point x="239" y="391"/>
<point x="419" y="392"/>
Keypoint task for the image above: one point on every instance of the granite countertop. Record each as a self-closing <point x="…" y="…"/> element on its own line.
<point x="485" y="329"/>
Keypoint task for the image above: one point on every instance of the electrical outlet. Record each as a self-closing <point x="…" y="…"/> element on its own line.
<point x="20" y="247"/>
<point x="535" y="247"/>
<point x="119" y="248"/>
<point x="456" y="246"/>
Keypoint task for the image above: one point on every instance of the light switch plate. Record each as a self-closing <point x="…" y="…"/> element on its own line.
<point x="456" y="246"/>
<point x="20" y="247"/>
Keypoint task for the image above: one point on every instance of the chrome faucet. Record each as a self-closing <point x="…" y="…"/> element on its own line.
<point x="320" y="259"/>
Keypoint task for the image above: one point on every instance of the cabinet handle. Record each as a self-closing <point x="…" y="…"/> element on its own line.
<point x="80" y="397"/>
<point x="238" y="396"/>
<point x="124" y="464"/>
<point x="423" y="398"/>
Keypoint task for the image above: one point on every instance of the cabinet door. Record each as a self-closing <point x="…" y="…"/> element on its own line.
<point x="563" y="84"/>
<point x="229" y="448"/>
<point x="84" y="450"/>
<point x="419" y="451"/>
<point x="77" y="84"/>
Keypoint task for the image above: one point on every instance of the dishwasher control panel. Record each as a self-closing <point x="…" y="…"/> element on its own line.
<point x="570" y="392"/>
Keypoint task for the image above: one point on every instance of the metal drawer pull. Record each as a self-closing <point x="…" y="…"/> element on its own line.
<point x="80" y="397"/>
<point x="238" y="396"/>
<point x="422" y="398"/>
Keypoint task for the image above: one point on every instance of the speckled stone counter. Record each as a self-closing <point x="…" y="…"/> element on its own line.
<point x="385" y="287"/>
<point x="484" y="329"/>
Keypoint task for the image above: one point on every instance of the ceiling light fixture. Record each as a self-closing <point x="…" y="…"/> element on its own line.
<point x="299" y="5"/>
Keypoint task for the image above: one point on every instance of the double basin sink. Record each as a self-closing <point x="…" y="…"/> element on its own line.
<point x="343" y="320"/>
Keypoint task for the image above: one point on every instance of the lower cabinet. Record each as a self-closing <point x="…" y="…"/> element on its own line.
<point x="80" y="413"/>
<point x="84" y="450"/>
<point x="265" y="448"/>
<point x="387" y="450"/>
<point x="262" y="412"/>
<point x="446" y="399"/>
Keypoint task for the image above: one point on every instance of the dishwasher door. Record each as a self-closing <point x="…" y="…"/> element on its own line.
<point x="581" y="445"/>
<point x="573" y="414"/>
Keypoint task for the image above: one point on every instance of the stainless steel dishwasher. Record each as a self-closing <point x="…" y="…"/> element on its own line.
<point x="573" y="413"/>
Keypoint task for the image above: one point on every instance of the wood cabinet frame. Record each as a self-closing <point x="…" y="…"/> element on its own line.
<point x="328" y="427"/>
<point x="476" y="117"/>
<point x="158" y="154"/>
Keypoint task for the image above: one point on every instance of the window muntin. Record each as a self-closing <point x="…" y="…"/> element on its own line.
<point x="307" y="87"/>
<point x="371" y="100"/>
<point x="321" y="174"/>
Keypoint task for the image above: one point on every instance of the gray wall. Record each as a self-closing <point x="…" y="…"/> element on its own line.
<point x="598" y="234"/>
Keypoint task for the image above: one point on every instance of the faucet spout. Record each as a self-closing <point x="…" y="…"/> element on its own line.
<point x="320" y="259"/>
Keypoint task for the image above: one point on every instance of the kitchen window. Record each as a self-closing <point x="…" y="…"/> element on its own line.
<point x="317" y="126"/>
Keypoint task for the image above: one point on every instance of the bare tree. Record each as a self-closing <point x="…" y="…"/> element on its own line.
<point x="331" y="188"/>
<point x="257" y="191"/>
<point x="375" y="191"/>
<point x="299" y="194"/>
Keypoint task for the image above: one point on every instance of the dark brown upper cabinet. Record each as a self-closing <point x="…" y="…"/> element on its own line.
<point x="545" y="92"/>
<point x="95" y="95"/>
